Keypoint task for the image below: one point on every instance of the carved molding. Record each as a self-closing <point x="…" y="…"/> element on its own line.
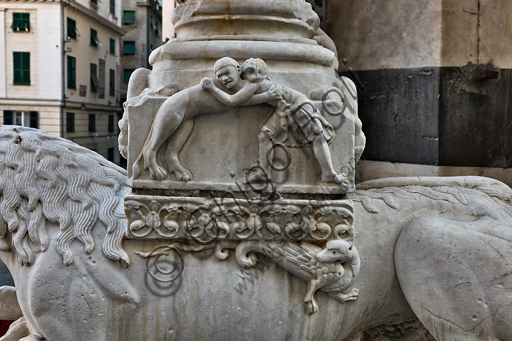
<point x="281" y="230"/>
<point x="153" y="217"/>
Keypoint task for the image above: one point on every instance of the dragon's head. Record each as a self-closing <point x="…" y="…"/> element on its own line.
<point x="335" y="250"/>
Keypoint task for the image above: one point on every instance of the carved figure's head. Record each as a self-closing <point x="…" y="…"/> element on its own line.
<point x="335" y="250"/>
<point x="228" y="71"/>
<point x="255" y="70"/>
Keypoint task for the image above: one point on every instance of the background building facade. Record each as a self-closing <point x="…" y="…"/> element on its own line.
<point x="61" y="65"/>
<point x="142" y="21"/>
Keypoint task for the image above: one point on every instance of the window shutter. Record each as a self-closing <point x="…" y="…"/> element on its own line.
<point x="129" y="47"/>
<point x="71" y="72"/>
<point x="128" y="17"/>
<point x="34" y="120"/>
<point x="7" y="117"/>
<point x="113" y="7"/>
<point x="112" y="82"/>
<point x="17" y="67"/>
<point x="112" y="47"/>
<point x="71" y="28"/>
<point x="94" y="38"/>
<point x="25" y="22"/>
<point x="25" y="63"/>
<point x="126" y="75"/>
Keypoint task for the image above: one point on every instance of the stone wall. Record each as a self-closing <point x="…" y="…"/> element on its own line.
<point x="422" y="68"/>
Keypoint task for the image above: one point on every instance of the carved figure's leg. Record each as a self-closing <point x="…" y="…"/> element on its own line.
<point x="164" y="125"/>
<point x="310" y="297"/>
<point x="175" y="144"/>
<point x="323" y="156"/>
<point x="456" y="277"/>
<point x="264" y="145"/>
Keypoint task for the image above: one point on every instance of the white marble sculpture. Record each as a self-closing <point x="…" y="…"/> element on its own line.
<point x="434" y="247"/>
<point x="238" y="217"/>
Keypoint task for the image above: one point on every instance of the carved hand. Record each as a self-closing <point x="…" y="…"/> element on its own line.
<point x="274" y="93"/>
<point x="207" y="83"/>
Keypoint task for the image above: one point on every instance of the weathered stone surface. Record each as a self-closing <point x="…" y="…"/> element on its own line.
<point x="197" y="288"/>
<point x="196" y="141"/>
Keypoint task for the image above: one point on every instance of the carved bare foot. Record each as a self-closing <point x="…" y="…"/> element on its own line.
<point x="182" y="174"/>
<point x="340" y="179"/>
<point x="312" y="306"/>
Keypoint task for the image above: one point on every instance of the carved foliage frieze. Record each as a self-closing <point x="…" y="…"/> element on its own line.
<point x="233" y="219"/>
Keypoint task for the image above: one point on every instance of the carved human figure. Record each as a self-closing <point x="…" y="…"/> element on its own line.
<point x="174" y="119"/>
<point x="293" y="110"/>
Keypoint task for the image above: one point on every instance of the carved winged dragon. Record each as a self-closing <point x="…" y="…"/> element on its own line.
<point x="331" y="269"/>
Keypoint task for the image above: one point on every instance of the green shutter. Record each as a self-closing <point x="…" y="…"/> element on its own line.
<point x="112" y="47"/>
<point x="94" y="38"/>
<point x="129" y="47"/>
<point x="25" y="60"/>
<point x="71" y="28"/>
<point x="126" y="75"/>
<point x="25" y="22"/>
<point x="112" y="82"/>
<point x="113" y="7"/>
<point x="16" y="61"/>
<point x="128" y="17"/>
<point x="20" y="22"/>
<point x="71" y="72"/>
<point x="21" y="66"/>
<point x="34" y="121"/>
<point x="7" y="117"/>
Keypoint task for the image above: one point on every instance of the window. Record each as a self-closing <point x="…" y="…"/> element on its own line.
<point x="21" y="63"/>
<point x="7" y="117"/>
<point x="94" y="38"/>
<point x="71" y="72"/>
<point x="129" y="47"/>
<point x="110" y="154"/>
<point x="110" y="122"/>
<point x="128" y="17"/>
<point x="70" y="122"/>
<point x="95" y="84"/>
<point x="92" y="122"/>
<point x="126" y="75"/>
<point x="20" y="22"/>
<point x="22" y="118"/>
<point x="94" y="2"/>
<point x="112" y="47"/>
<point x="113" y="7"/>
<point x="112" y="82"/>
<point x="101" y="78"/>
<point x="72" y="30"/>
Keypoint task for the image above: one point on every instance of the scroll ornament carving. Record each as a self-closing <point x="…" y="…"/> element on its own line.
<point x="282" y="231"/>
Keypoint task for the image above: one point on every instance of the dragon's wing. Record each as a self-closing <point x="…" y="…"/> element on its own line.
<point x="298" y="259"/>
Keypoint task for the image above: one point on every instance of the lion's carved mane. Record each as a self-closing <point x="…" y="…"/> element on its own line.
<point x="46" y="178"/>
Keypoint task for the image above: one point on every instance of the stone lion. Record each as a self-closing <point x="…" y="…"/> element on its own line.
<point x="437" y="250"/>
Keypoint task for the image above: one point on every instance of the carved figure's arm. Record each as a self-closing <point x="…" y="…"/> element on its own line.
<point x="268" y="96"/>
<point x="230" y="100"/>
